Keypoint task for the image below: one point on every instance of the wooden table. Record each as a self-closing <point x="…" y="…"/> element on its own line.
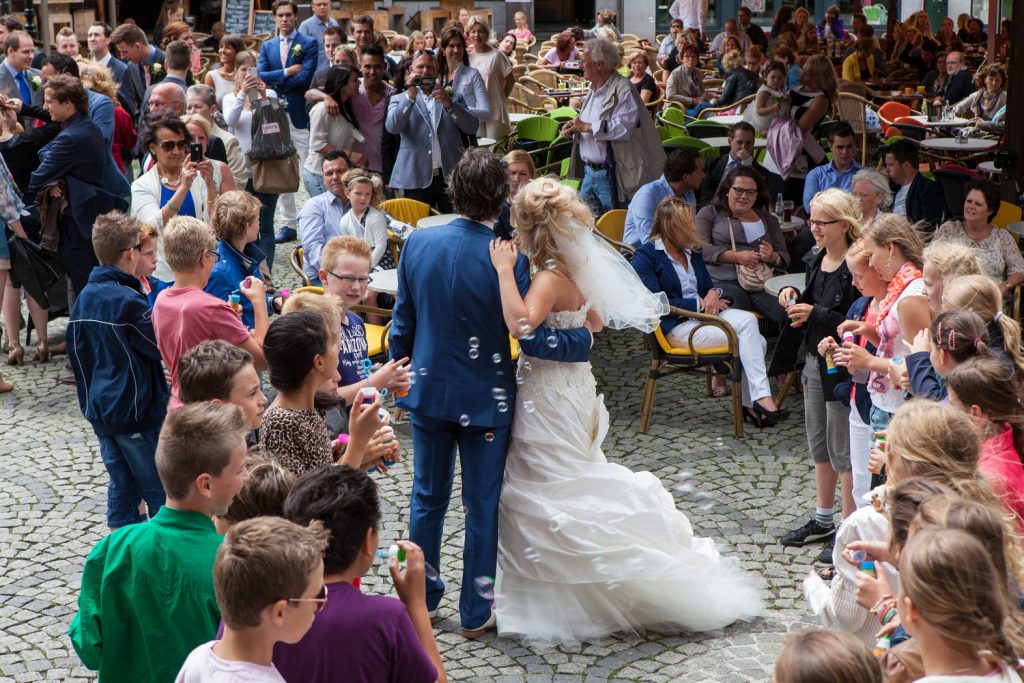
<point x="953" y="145"/>
<point x="773" y="286"/>
<point x="386" y="281"/>
<point x="727" y="119"/>
<point x="724" y="142"/>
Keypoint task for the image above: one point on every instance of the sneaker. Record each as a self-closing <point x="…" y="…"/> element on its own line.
<point x="825" y="556"/>
<point x="808" y="533"/>
<point x="474" y="633"/>
<point x="286" y="234"/>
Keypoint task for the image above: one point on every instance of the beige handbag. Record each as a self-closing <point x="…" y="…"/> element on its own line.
<point x="751" y="278"/>
<point x="275" y="176"/>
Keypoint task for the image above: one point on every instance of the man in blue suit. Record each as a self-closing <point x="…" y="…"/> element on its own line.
<point x="287" y="64"/>
<point x="98" y="40"/>
<point x="431" y="124"/>
<point x="75" y="158"/>
<point x="448" y="321"/>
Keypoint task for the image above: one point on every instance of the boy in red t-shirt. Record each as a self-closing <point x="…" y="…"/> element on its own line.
<point x="185" y="315"/>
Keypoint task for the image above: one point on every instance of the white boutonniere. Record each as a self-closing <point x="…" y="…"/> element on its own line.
<point x="297" y="50"/>
<point x="36" y="82"/>
<point x="156" y="68"/>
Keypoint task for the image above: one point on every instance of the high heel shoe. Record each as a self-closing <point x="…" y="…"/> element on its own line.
<point x="16" y="354"/>
<point x="770" y="418"/>
<point x="42" y="353"/>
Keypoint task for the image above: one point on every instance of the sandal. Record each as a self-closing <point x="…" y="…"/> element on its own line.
<point x="827" y="573"/>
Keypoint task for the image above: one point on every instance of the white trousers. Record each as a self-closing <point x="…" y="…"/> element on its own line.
<point x="752" y="348"/>
<point x="860" y="451"/>
<point x="289" y="215"/>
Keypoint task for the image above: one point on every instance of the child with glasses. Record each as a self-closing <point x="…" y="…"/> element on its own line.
<point x="345" y="272"/>
<point x="236" y="222"/>
<point x="185" y="315"/>
<point x="269" y="579"/>
<point x="113" y="353"/>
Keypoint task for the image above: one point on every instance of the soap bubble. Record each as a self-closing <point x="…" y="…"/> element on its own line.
<point x="599" y="564"/>
<point x="464" y="420"/>
<point x="474" y="353"/>
<point x="484" y="587"/>
<point x="423" y="372"/>
<point x="489" y="437"/>
<point x="531" y="555"/>
<point x="551" y="264"/>
<point x="430" y="572"/>
<point x="552" y="341"/>
<point x="474" y="343"/>
<point x="685" y="489"/>
<point x="502" y="407"/>
<point x="684" y="475"/>
<point x="499" y="394"/>
<point x="520" y="379"/>
<point x="412" y="378"/>
<point x="528" y="406"/>
<point x="706" y="506"/>
<point x="526" y="366"/>
<point x="383" y="392"/>
<point x="496" y="358"/>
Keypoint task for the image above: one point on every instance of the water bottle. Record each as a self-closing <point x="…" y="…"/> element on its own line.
<point x="881" y="647"/>
<point x="780" y="210"/>
<point x="830" y="40"/>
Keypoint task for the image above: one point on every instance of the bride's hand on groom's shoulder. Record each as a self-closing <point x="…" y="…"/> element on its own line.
<point x="503" y="255"/>
<point x="410" y="585"/>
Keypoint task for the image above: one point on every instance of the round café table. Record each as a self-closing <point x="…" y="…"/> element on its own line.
<point x="955" y="122"/>
<point x="433" y="220"/>
<point x="724" y="142"/>
<point x="726" y="119"/>
<point x="989" y="167"/>
<point x="773" y="285"/>
<point x="384" y="281"/>
<point x="516" y="118"/>
<point x="953" y="145"/>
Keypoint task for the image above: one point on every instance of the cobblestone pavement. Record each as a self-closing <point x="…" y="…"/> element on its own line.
<point x="52" y="501"/>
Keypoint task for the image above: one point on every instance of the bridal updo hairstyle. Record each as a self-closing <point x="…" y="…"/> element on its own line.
<point x="543" y="211"/>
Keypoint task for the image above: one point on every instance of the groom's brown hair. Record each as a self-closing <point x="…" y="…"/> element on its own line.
<point x="478" y="185"/>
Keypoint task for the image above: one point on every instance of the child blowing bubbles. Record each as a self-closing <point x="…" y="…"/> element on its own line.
<point x="345" y="272"/>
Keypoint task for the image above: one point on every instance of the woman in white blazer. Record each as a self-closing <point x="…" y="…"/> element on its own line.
<point x="174" y="186"/>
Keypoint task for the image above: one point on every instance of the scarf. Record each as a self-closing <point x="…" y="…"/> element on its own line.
<point x="907" y="273"/>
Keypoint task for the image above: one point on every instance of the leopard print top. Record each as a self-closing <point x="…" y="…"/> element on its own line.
<point x="298" y="439"/>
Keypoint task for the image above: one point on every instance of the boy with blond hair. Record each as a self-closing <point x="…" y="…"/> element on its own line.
<point x="269" y="579"/>
<point x="113" y="353"/>
<point x="217" y="371"/>
<point x="147" y="597"/>
<point x="185" y="315"/>
<point x="236" y="223"/>
<point x="345" y="273"/>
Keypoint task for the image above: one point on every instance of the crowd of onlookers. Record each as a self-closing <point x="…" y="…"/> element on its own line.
<point x="143" y="180"/>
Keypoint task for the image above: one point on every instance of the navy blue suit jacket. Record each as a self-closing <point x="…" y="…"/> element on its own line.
<point x="447" y="293"/>
<point x="78" y="156"/>
<point x="656" y="272"/>
<point x="290" y="88"/>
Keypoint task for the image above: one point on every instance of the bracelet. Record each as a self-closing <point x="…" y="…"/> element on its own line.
<point x="882" y="600"/>
<point x="889" y="616"/>
<point x="174" y="208"/>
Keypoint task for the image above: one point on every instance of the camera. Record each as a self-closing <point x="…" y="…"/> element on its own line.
<point x="195" y="152"/>
<point x="424" y="81"/>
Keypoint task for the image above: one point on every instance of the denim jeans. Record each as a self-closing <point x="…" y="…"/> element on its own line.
<point x="130" y="462"/>
<point x="597" y="191"/>
<point x="314" y="183"/>
<point x="268" y="206"/>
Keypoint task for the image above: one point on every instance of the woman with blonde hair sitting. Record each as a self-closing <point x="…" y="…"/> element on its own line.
<point x="670" y="261"/>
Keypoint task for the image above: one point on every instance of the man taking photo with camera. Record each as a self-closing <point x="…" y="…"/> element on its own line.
<point x="433" y="128"/>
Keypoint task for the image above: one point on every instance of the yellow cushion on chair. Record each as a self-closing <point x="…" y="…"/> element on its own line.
<point x="670" y="350"/>
<point x="374" y="347"/>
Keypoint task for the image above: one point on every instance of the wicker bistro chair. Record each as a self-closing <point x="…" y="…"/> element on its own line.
<point x="668" y="360"/>
<point x="296" y="263"/>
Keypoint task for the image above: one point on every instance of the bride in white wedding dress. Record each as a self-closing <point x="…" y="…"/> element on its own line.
<point x="587" y="548"/>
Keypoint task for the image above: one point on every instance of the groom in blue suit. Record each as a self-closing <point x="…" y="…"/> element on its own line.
<point x="448" y="321"/>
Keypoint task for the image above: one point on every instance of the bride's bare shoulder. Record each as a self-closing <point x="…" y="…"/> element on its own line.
<point x="562" y="289"/>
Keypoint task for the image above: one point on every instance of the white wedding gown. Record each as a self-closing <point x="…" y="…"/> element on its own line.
<point x="587" y="548"/>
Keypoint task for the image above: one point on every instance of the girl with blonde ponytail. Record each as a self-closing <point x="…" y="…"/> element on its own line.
<point x="954" y="603"/>
<point x="979" y="293"/>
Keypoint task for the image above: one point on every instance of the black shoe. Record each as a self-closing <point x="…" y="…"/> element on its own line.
<point x="808" y="533"/>
<point x="825" y="556"/>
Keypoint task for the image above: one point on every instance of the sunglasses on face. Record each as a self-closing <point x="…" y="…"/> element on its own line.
<point x="321" y="598"/>
<point x="171" y="145"/>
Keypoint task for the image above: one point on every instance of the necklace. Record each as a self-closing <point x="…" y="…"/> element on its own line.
<point x="168" y="182"/>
